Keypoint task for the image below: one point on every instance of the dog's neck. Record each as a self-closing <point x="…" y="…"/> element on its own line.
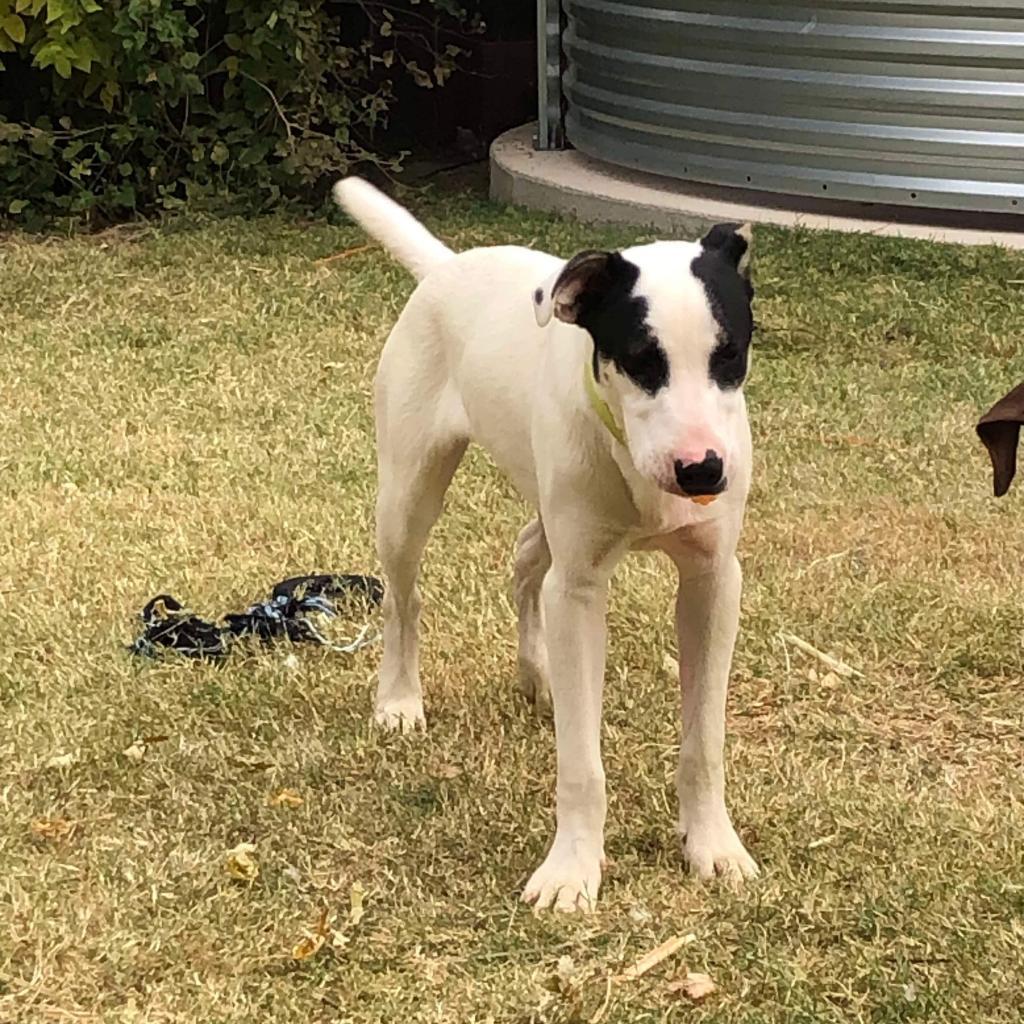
<point x="599" y="404"/>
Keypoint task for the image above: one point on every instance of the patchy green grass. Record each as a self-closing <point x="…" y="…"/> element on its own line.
<point x="187" y="409"/>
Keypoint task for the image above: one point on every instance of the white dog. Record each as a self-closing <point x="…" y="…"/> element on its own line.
<point x="609" y="389"/>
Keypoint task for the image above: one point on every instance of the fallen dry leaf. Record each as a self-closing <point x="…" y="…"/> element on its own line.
<point x="308" y="946"/>
<point x="136" y="752"/>
<point x="285" y="798"/>
<point x="639" y="914"/>
<point x="311" y="944"/>
<point x="566" y="979"/>
<point x="241" y="864"/>
<point x="52" y="828"/>
<point x="694" y="986"/>
<point x="356" y="907"/>
<point x="61" y="761"/>
<point x="567" y="986"/>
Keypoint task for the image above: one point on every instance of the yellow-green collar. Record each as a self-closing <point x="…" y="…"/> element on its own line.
<point x="599" y="405"/>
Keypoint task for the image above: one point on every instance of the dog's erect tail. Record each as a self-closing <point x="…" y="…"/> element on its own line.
<point x="396" y="229"/>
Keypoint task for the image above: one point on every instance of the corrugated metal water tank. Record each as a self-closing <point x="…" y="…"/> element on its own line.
<point x="907" y="102"/>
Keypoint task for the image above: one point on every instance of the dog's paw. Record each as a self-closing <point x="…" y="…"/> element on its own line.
<point x="534" y="686"/>
<point x="401" y="715"/>
<point x="567" y="881"/>
<point x="713" y="848"/>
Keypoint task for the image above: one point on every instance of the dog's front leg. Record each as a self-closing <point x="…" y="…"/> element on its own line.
<point x="574" y="602"/>
<point x="707" y="619"/>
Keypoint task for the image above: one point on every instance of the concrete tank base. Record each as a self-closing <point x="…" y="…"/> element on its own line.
<point x="567" y="182"/>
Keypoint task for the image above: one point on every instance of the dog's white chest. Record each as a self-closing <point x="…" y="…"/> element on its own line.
<point x="668" y="514"/>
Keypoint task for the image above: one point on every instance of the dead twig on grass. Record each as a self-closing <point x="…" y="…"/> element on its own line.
<point x="656" y="956"/>
<point x="344" y="254"/>
<point x="839" y="667"/>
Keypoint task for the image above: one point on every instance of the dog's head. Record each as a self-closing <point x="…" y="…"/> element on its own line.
<point x="671" y="325"/>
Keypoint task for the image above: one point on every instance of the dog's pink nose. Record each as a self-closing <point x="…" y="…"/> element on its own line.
<point x="701" y="477"/>
<point x="696" y="442"/>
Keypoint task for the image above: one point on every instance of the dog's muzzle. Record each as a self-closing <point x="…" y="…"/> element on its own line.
<point x="700" y="479"/>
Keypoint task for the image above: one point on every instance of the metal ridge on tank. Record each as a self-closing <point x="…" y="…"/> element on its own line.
<point x="909" y="102"/>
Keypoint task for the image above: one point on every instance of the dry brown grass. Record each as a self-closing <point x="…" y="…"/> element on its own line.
<point x="187" y="409"/>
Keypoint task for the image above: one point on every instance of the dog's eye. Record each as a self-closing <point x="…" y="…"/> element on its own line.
<point x="728" y="365"/>
<point x="646" y="366"/>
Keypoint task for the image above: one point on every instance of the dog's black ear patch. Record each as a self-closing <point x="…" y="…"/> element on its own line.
<point x="594" y="291"/>
<point x="732" y="243"/>
<point x="722" y="269"/>
<point x="617" y="321"/>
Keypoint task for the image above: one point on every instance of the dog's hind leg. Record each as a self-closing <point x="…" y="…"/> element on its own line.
<point x="410" y="496"/>
<point x="533" y="559"/>
<point x="420" y="441"/>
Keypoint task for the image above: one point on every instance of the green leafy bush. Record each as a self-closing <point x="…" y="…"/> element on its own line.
<point x="125" y="106"/>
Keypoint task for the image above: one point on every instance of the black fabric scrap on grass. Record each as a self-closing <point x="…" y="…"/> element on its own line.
<point x="168" y="626"/>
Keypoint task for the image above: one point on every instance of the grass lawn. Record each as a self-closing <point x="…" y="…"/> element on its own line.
<point x="187" y="409"/>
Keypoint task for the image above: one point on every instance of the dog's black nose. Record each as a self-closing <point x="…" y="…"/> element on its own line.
<point x="705" y="477"/>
